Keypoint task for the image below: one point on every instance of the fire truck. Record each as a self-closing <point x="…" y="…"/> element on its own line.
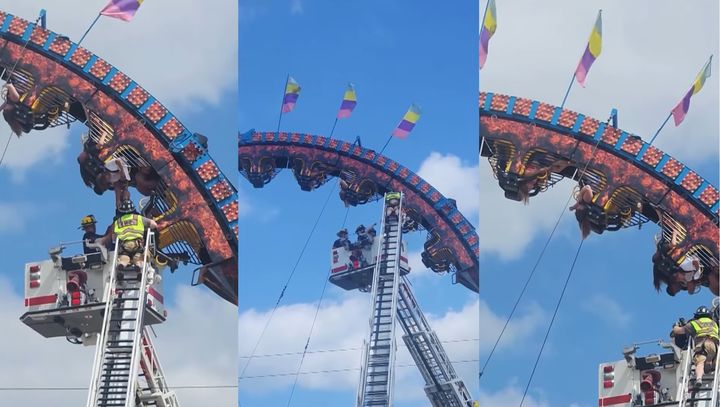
<point x="88" y="300"/>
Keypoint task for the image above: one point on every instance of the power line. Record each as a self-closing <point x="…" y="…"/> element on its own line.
<point x="343" y="370"/>
<point x="557" y="307"/>
<point x="534" y="268"/>
<point x="287" y="282"/>
<point x="6" y="147"/>
<point x="402" y="345"/>
<point x="64" y="388"/>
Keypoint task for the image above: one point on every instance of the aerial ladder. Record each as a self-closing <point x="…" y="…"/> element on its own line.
<point x="378" y="373"/>
<point x="125" y="355"/>
<point x="706" y="394"/>
<point x="392" y="300"/>
<point x="442" y="385"/>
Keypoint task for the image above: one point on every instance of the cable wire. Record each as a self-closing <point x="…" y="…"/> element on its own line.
<point x="6" y="148"/>
<point x="534" y="268"/>
<point x="287" y="282"/>
<point x="62" y="388"/>
<point x="341" y="370"/>
<point x="547" y="333"/>
<point x="22" y="52"/>
<point x="312" y="326"/>
<point x="402" y="345"/>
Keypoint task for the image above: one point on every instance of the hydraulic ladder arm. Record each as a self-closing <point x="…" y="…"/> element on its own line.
<point x="116" y="367"/>
<point x="377" y="373"/>
<point x="442" y="385"/>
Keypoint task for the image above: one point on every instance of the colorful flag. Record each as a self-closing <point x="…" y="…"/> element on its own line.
<point x="682" y="108"/>
<point x="121" y="9"/>
<point x="487" y="30"/>
<point x="408" y="122"/>
<point x="292" y="92"/>
<point x="592" y="51"/>
<point x="348" y="103"/>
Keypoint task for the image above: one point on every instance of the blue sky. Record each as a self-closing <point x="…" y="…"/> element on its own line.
<point x="44" y="198"/>
<point x="651" y="54"/>
<point x="395" y="54"/>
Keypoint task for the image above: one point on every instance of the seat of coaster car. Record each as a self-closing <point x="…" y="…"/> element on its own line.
<point x="81" y="261"/>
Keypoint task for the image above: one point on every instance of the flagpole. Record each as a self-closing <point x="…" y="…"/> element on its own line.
<point x="282" y="102"/>
<point x="572" y="80"/>
<point x="386" y="144"/>
<point x="333" y="127"/>
<point x="661" y="127"/>
<point x="89" y="28"/>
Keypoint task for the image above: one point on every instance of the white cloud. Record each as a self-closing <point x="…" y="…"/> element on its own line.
<point x="607" y="310"/>
<point x="196" y="346"/>
<point x="184" y="52"/>
<point x="509" y="397"/>
<point x="454" y="179"/>
<point x="523" y="325"/>
<point x="46" y="147"/>
<point x="31" y="360"/>
<point x="509" y="226"/>
<point x="417" y="268"/>
<point x="342" y="324"/>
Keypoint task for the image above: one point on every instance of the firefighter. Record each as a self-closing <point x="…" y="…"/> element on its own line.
<point x="372" y="233"/>
<point x="393" y="200"/>
<point x="130" y="229"/>
<point x="357" y="256"/>
<point x="342" y="240"/>
<point x="87" y="224"/>
<point x="704" y="332"/>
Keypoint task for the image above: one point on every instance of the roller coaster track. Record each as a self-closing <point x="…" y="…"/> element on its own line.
<point x="198" y="214"/>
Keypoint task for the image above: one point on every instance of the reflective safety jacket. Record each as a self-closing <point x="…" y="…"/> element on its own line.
<point x="129" y="227"/>
<point x="705" y="327"/>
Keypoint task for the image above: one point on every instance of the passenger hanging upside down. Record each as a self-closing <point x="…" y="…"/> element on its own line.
<point x="11" y="98"/>
<point x="130" y="229"/>
<point x="583" y="200"/>
<point x="26" y="112"/>
<point x="705" y="334"/>
<point x="534" y="179"/>
<point x="689" y="275"/>
<point x="118" y="175"/>
<point x="145" y="180"/>
<point x="115" y="174"/>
